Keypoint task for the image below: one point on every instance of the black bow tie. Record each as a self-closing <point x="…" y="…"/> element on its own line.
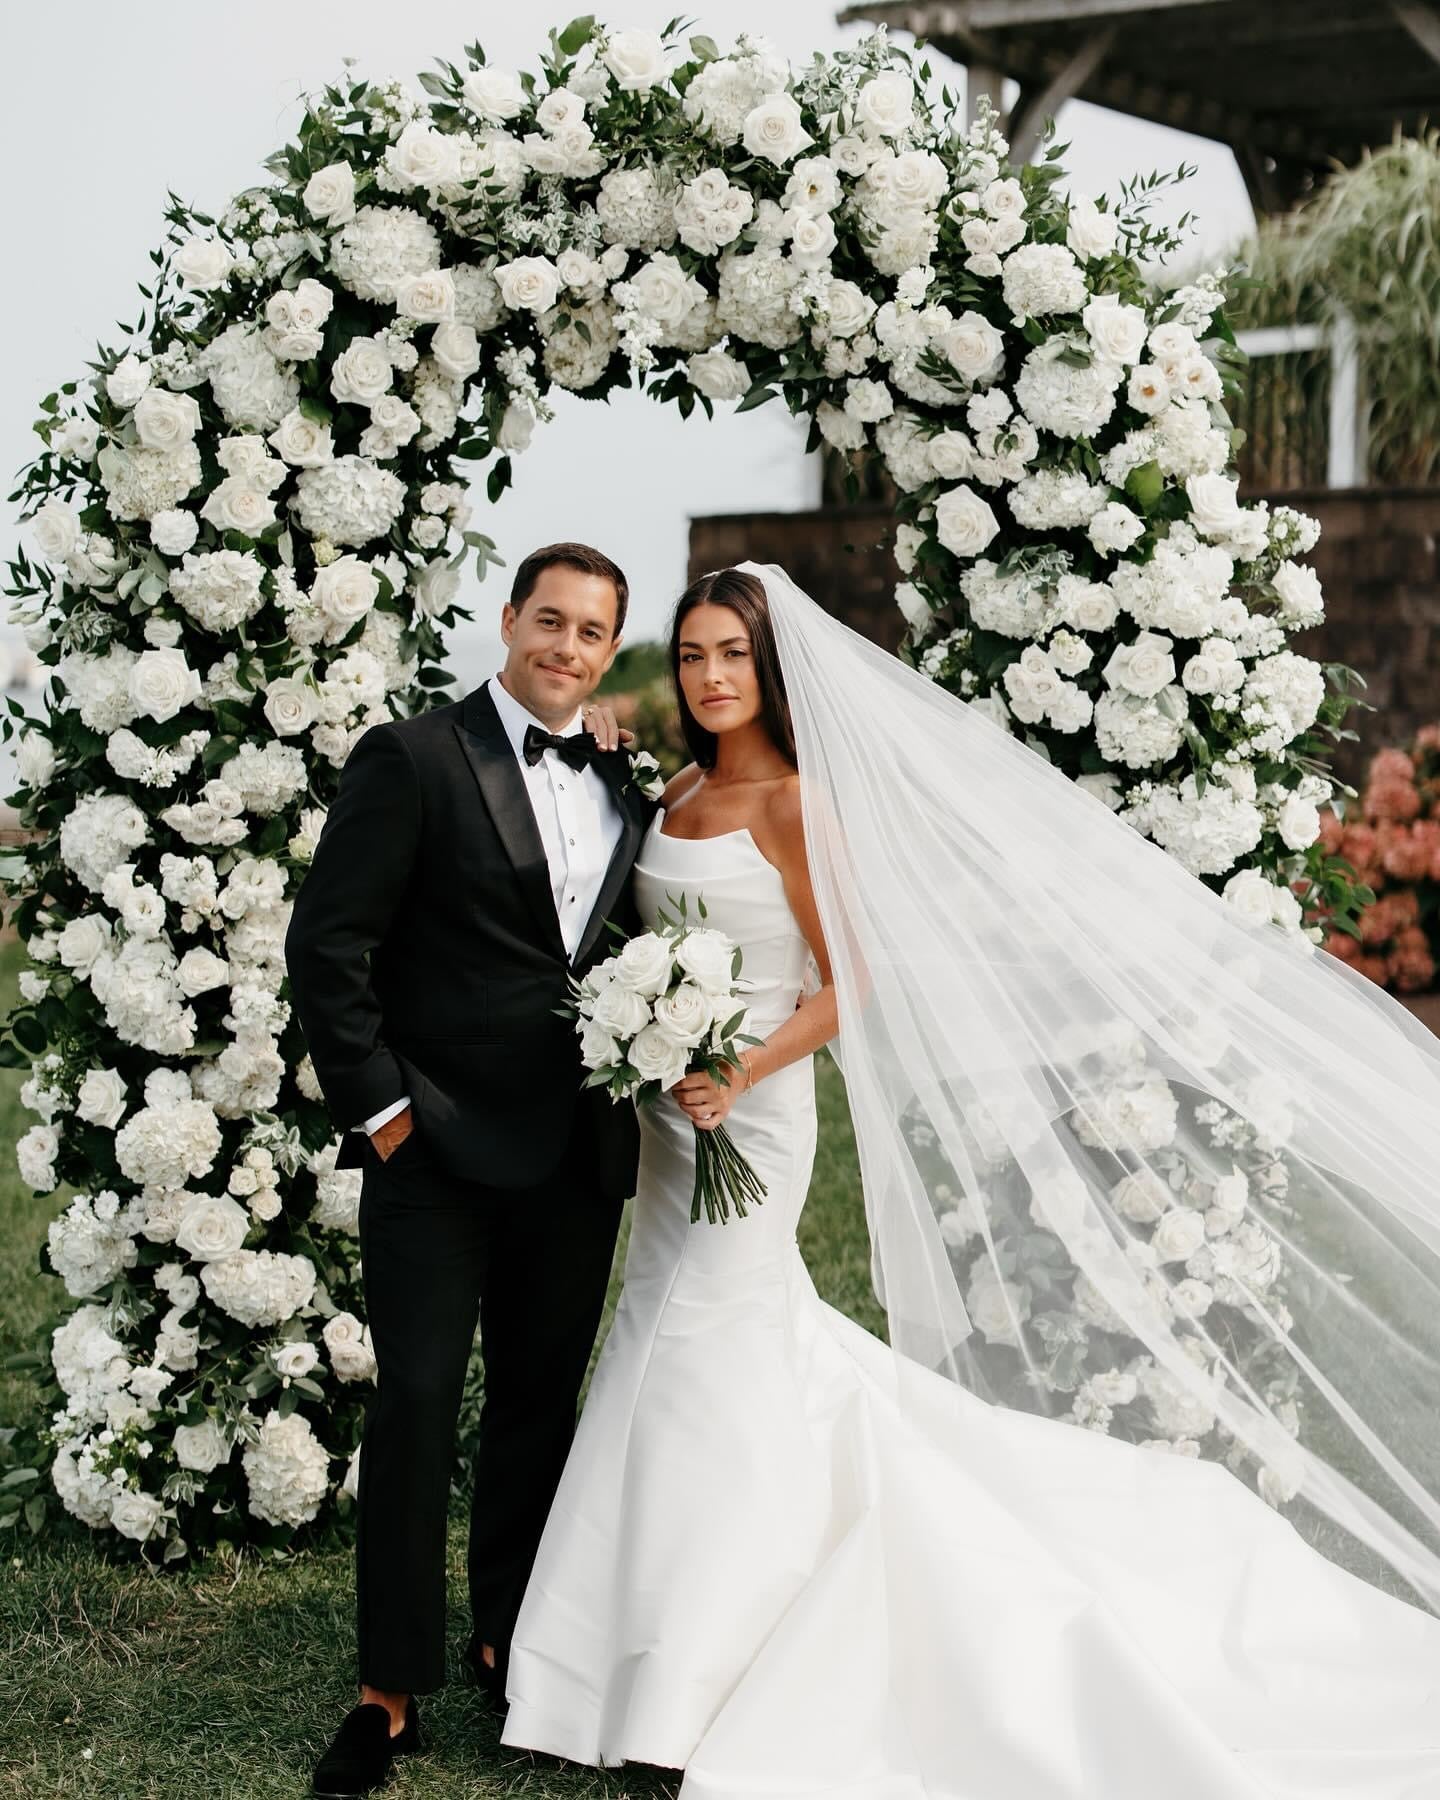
<point x="577" y="749"/>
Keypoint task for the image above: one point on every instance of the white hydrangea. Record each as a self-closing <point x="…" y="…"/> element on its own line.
<point x="1057" y="396"/>
<point x="259" y="1287"/>
<point x="90" y="1364"/>
<point x="251" y="387"/>
<point x="219" y="589"/>
<point x="98" y="834"/>
<point x="140" y="483"/>
<point x="163" y="1145"/>
<point x="754" y="298"/>
<point x="287" y="1470"/>
<point x="378" y="249"/>
<point x="1207" y="833"/>
<point x="348" y="501"/>
<point x="636" y="209"/>
<point x="1042" y="280"/>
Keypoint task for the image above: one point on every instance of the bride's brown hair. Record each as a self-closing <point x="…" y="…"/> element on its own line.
<point x="745" y="596"/>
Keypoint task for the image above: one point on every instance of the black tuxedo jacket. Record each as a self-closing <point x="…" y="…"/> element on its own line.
<point x="425" y="956"/>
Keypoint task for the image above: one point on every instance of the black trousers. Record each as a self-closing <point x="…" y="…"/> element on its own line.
<point x="532" y="1266"/>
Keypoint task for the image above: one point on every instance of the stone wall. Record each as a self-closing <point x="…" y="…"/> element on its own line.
<point x="1378" y="556"/>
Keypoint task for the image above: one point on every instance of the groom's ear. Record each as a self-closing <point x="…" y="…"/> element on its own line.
<point x="615" y="644"/>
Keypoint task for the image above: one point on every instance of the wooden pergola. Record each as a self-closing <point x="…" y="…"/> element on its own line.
<point x="1292" y="86"/>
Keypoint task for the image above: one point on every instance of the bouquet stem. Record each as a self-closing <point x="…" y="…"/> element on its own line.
<point x="722" y="1176"/>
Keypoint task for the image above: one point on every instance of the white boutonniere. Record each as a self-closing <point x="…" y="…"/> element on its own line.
<point x="646" y="775"/>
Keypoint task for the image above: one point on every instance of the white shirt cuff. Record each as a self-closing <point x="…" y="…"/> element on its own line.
<point x="376" y="1120"/>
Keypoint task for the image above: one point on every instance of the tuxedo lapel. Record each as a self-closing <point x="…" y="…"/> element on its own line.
<point x="502" y="787"/>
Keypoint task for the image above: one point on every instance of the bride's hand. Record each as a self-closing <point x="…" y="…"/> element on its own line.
<point x="704" y="1101"/>
<point x="598" y="718"/>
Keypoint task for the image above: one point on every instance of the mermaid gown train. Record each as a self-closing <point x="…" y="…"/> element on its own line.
<point x="761" y="1569"/>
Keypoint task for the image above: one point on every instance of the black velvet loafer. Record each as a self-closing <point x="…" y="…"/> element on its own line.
<point x="363" y="1751"/>
<point x="491" y="1682"/>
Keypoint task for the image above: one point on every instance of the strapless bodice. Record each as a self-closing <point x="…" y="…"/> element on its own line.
<point x="744" y="896"/>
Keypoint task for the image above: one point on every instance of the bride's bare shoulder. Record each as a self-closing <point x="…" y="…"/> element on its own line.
<point x="782" y="823"/>
<point x="680" y="784"/>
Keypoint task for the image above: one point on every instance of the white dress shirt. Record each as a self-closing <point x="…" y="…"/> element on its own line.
<point x="579" y="823"/>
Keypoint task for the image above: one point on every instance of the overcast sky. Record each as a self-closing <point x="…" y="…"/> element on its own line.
<point x="109" y="106"/>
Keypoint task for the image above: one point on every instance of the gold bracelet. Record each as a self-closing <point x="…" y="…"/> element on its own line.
<point x="749" y="1071"/>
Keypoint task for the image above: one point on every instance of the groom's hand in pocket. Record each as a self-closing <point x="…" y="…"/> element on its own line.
<point x="392" y="1134"/>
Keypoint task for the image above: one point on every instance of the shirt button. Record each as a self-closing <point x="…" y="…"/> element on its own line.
<point x="562" y="787"/>
<point x="571" y="842"/>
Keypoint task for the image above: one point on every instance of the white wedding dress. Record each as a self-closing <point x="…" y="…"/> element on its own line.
<point x="761" y="1569"/>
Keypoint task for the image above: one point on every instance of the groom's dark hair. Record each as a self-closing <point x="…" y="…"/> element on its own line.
<point x="745" y="596"/>
<point x="583" y="557"/>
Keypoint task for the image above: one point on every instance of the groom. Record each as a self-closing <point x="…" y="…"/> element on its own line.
<point x="467" y="867"/>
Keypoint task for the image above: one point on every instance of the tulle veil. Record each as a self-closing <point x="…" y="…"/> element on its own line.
<point x="1129" y="1157"/>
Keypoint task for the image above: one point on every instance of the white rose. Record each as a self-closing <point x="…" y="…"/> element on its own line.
<point x="237" y="505"/>
<point x="1214" y="508"/>
<point x="812" y="237"/>
<point x="295" y="1360"/>
<point x="636" y="59"/>
<point x="82" y="942"/>
<point x="517" y="427"/>
<point x="1179" y="1235"/>
<point x="848" y="309"/>
<point x="1115" y="528"/>
<point x="135" y="1514"/>
<point x="1149" y="389"/>
<point x="330" y="194"/>
<point x="212" y="1226"/>
<point x="1301" y="598"/>
<point x="656" y="1055"/>
<point x="1004" y="199"/>
<point x="201" y="970"/>
<point x="362" y="372"/>
<point x="972" y="346"/>
<point x="428" y="298"/>
<point x="305" y="443"/>
<point x="708" y="958"/>
<point x="886" y="103"/>
<point x="531" y="283"/>
<point x="34" y="758"/>
<point x="644" y="965"/>
<point x="1143" y="667"/>
<point x="774" y="130"/>
<point x="718" y="374"/>
<point x="345" y="590"/>
<point x="494" y="94"/>
<point x="952" y="455"/>
<point x="1298" y="823"/>
<point x="1116" y="330"/>
<point x="203" y="263"/>
<point x="686" y="1013"/>
<point x="291" y="706"/>
<point x="964" y="522"/>
<point x="165" y="421"/>
<point x="200" y="1447"/>
<point x="128" y="380"/>
<point x="434" y="586"/>
<point x="161" y="683"/>
<point x="662" y="290"/>
<point x="101" y="1100"/>
<point x="620" y="1011"/>
<point x="598" y="1050"/>
<point x="55" y="531"/>
<point x="561" y="110"/>
<point x="456" y="349"/>
<point x="1090" y="233"/>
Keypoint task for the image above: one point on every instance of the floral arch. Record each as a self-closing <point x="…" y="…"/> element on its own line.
<point x="248" y="533"/>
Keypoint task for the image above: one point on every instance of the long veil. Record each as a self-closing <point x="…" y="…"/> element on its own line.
<point x="1129" y="1157"/>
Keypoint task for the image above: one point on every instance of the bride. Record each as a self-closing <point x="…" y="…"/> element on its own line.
<point x="794" y="1561"/>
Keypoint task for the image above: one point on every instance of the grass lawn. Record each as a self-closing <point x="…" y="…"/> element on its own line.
<point x="226" y="1681"/>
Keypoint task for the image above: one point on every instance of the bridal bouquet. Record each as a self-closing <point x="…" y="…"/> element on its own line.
<point x="666" y="1005"/>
